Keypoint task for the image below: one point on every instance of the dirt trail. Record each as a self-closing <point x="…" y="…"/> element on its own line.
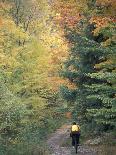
<point x="56" y="140"/>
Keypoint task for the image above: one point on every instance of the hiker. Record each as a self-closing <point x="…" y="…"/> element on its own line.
<point x="75" y="133"/>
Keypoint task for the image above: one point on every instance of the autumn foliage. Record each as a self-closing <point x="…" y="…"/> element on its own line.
<point x="57" y="60"/>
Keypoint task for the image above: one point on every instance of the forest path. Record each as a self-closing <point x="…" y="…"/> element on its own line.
<point x="56" y="140"/>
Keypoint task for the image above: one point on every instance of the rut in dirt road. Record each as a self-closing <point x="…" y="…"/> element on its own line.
<point x="61" y="135"/>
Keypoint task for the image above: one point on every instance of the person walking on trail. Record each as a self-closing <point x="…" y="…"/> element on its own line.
<point x="75" y="133"/>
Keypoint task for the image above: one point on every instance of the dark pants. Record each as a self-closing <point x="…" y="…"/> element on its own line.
<point x="75" y="136"/>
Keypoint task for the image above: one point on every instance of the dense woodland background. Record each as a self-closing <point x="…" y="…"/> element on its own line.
<point x="57" y="64"/>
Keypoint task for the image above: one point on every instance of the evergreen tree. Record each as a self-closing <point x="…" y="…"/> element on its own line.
<point x="105" y="115"/>
<point x="85" y="53"/>
<point x="94" y="94"/>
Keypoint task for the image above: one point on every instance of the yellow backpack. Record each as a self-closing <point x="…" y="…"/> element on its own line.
<point x="75" y="128"/>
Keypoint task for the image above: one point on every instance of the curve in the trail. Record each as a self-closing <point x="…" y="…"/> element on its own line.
<point x="56" y="140"/>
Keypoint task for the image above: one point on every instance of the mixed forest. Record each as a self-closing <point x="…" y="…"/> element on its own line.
<point x="57" y="64"/>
